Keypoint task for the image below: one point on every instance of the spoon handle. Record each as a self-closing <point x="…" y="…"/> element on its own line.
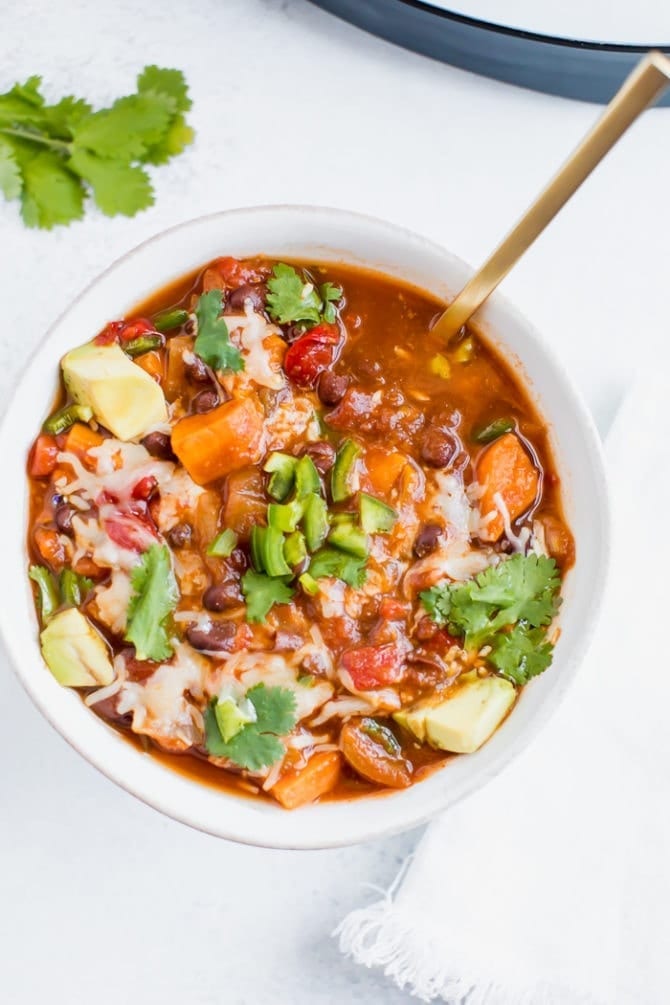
<point x="647" y="81"/>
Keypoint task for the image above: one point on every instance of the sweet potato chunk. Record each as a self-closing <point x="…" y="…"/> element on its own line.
<point x="319" y="776"/>
<point x="215" y="443"/>
<point x="505" y="468"/>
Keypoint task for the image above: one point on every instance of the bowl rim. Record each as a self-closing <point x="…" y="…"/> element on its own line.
<point x="570" y="667"/>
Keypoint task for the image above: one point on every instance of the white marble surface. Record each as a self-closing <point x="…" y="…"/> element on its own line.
<point x="102" y="899"/>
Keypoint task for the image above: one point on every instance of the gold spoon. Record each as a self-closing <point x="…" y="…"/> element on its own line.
<point x="647" y="81"/>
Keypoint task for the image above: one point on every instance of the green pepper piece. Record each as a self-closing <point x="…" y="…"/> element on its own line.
<point x="307" y="478"/>
<point x="256" y="543"/>
<point x="73" y="588"/>
<point x="167" y="320"/>
<point x="343" y="480"/>
<point x="281" y="468"/>
<point x="494" y="430"/>
<point x="295" y="549"/>
<point x="376" y="516"/>
<point x="309" y="584"/>
<point x="307" y="679"/>
<point x="224" y="544"/>
<point x="48" y="594"/>
<point x="315" y="521"/>
<point x="350" y="538"/>
<point x="66" y="417"/>
<point x="272" y="551"/>
<point x="285" y="516"/>
<point x="144" y="343"/>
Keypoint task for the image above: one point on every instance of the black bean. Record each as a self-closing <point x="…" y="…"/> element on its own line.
<point x="425" y="629"/>
<point x="63" y="517"/>
<point x="189" y="327"/>
<point x="196" y="371"/>
<point x="427" y="539"/>
<point x="159" y="445"/>
<point x="180" y="535"/>
<point x="237" y="561"/>
<point x="322" y="454"/>
<point x="438" y="447"/>
<point x="331" y="387"/>
<point x="255" y="292"/>
<point x="223" y="595"/>
<point x="212" y="636"/>
<point x="205" y="401"/>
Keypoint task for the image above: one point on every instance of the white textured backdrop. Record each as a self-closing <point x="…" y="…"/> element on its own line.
<point x="101" y="900"/>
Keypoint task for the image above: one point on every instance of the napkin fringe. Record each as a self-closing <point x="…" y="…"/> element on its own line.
<point x="384" y="935"/>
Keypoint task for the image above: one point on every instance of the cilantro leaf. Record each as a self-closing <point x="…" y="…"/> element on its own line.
<point x="158" y="80"/>
<point x="521" y="591"/>
<point x="261" y="592"/>
<point x="51" y="193"/>
<point x="117" y="188"/>
<point x="290" y="298"/>
<point x="213" y="344"/>
<point x="330" y="562"/>
<point x="330" y="294"/>
<point x="154" y="598"/>
<point x="257" y="744"/>
<point x="10" y="174"/>
<point x="522" y="653"/>
<point x="47" y="151"/>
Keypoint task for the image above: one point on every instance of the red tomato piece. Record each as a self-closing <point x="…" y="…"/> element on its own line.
<point x="43" y="457"/>
<point x="110" y="333"/>
<point x="393" y="610"/>
<point x="131" y="528"/>
<point x="311" y="354"/>
<point x="375" y="666"/>
<point x="229" y="273"/>
<point x="124" y="331"/>
<point x="145" y="488"/>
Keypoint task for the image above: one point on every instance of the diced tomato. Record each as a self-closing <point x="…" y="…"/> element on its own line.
<point x="110" y="333"/>
<point x="311" y="354"/>
<point x="243" y="637"/>
<point x="145" y="488"/>
<point x="229" y="273"/>
<point x="124" y="331"/>
<point x="393" y="610"/>
<point x="133" y="329"/>
<point x="131" y="528"/>
<point x="375" y="666"/>
<point x="43" y="457"/>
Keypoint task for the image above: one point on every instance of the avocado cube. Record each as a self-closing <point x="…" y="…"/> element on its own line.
<point x="123" y="397"/>
<point x="74" y="651"/>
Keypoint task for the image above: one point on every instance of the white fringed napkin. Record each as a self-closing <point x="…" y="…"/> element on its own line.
<point x="552" y="885"/>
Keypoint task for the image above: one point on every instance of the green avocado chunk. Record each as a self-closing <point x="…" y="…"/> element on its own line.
<point x="122" y="396"/>
<point x="74" y="651"/>
<point x="464" y="720"/>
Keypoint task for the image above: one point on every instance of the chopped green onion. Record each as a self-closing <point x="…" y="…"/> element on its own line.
<point x="381" y="735"/>
<point x="307" y="479"/>
<point x="73" y="588"/>
<point x="224" y="544"/>
<point x="48" y="594"/>
<point x="285" y="516"/>
<point x="309" y="584"/>
<point x="347" y="537"/>
<point x="168" y="320"/>
<point x="66" y="417"/>
<point x="376" y="516"/>
<point x="281" y="468"/>
<point x="315" y="521"/>
<point x="295" y="549"/>
<point x="343" y="479"/>
<point x="144" y="343"/>
<point x="491" y="432"/>
<point x="440" y="366"/>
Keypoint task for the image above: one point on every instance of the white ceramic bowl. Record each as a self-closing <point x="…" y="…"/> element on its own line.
<point x="323" y="235"/>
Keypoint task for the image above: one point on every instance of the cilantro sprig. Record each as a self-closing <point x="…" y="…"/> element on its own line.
<point x="293" y="299"/>
<point x="262" y="592"/>
<point x="53" y="156"/>
<point x="154" y="598"/>
<point x="522" y="592"/>
<point x="213" y="344"/>
<point x="257" y="745"/>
